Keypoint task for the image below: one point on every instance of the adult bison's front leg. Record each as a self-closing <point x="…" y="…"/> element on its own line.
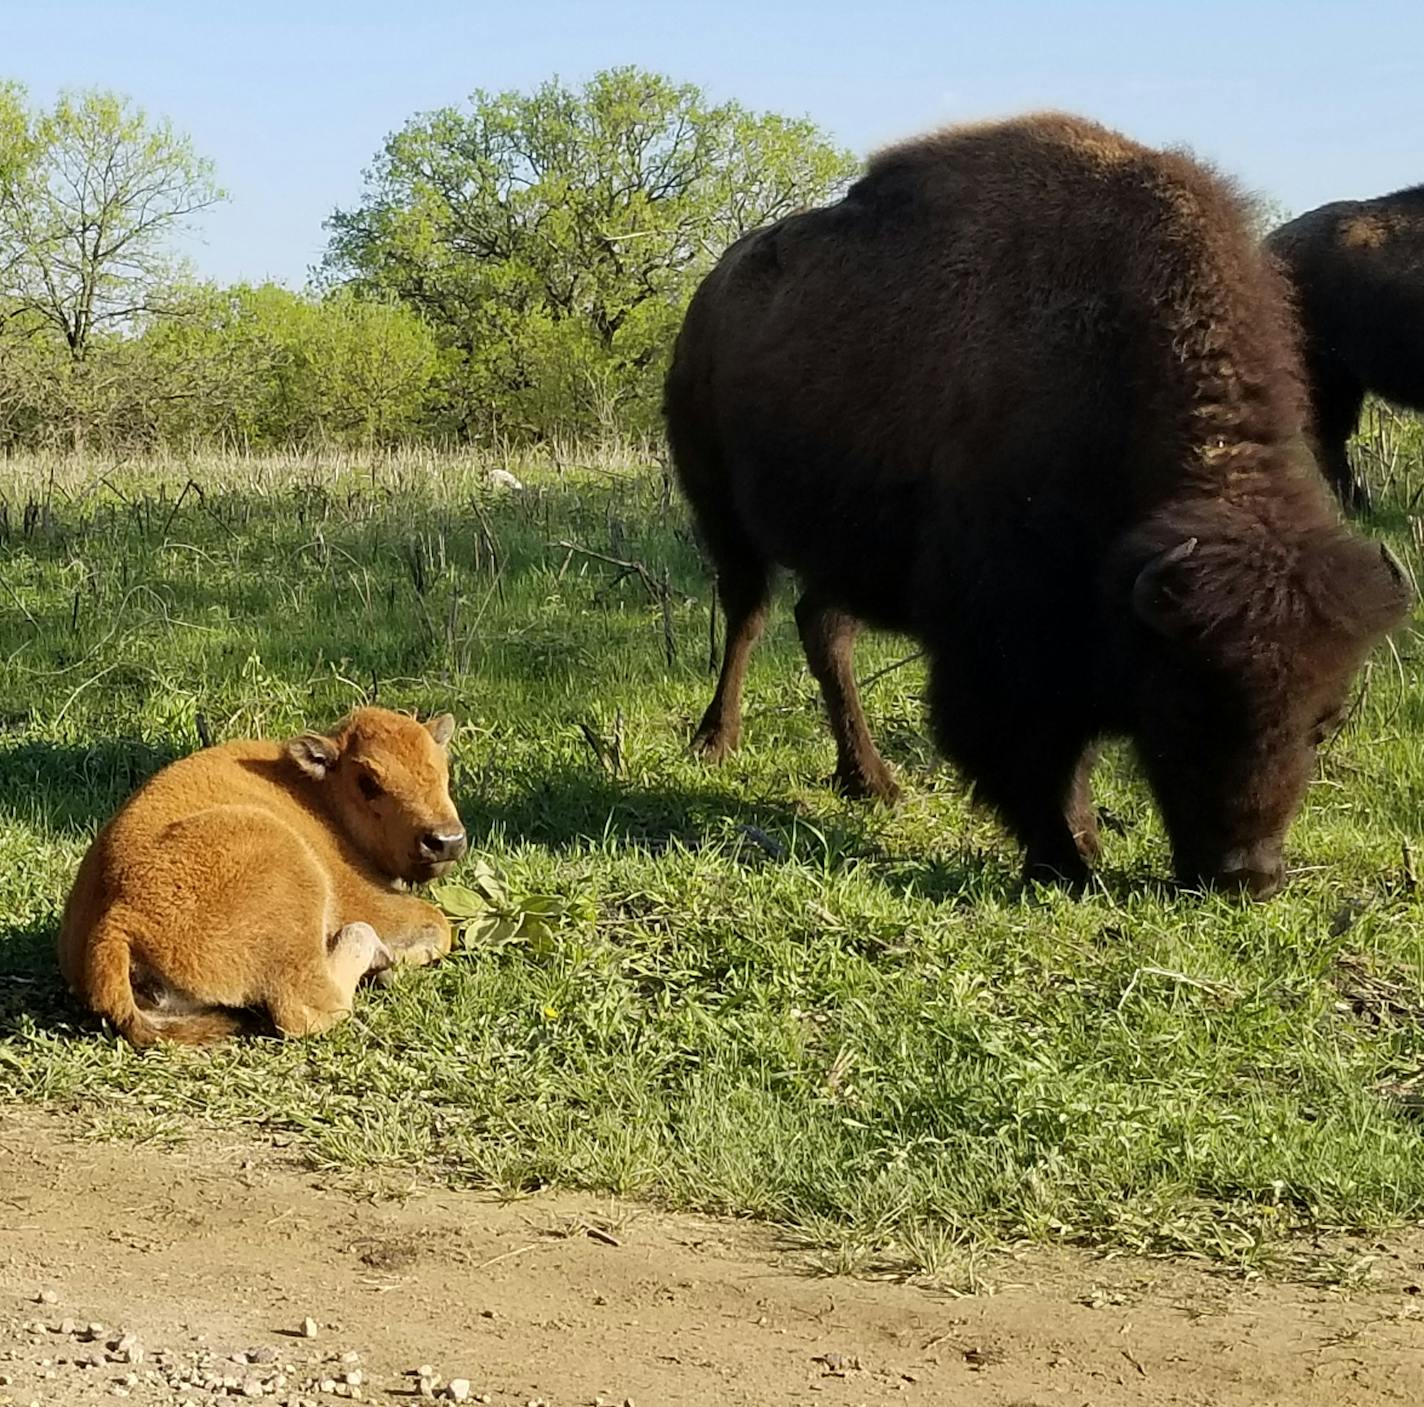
<point x="1035" y="776"/>
<point x="828" y="637"/>
<point x="1080" y="813"/>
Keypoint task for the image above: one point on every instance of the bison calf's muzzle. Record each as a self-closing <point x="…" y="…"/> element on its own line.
<point x="443" y="847"/>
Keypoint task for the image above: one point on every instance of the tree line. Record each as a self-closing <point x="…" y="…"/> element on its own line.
<point x="514" y="269"/>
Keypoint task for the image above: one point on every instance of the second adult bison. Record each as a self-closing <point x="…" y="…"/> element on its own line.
<point x="1357" y="272"/>
<point x="1028" y="393"/>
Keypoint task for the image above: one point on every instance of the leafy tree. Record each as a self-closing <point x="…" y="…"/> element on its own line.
<point x="260" y="367"/>
<point x="90" y="198"/>
<point x="553" y="237"/>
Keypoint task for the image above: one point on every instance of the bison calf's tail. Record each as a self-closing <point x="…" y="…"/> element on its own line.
<point x="108" y="984"/>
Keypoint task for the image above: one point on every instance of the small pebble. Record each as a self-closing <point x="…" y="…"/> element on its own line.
<point x="458" y="1390"/>
<point x="309" y="1328"/>
<point x="46" y="1297"/>
<point x="351" y="1356"/>
<point x="253" y="1387"/>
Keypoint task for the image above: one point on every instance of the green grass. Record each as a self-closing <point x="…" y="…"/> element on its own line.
<point x="849" y="1022"/>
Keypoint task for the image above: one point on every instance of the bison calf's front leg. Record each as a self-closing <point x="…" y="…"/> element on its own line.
<point x="415" y="932"/>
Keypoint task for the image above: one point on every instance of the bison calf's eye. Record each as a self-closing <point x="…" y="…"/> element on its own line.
<point x="370" y="787"/>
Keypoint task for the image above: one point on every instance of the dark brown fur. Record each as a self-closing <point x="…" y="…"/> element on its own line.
<point x="1028" y="393"/>
<point x="1357" y="271"/>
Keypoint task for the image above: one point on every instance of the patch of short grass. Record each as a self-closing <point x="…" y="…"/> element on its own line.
<point x="850" y="1022"/>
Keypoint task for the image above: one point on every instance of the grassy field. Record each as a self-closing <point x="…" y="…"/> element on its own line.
<point x="766" y="1000"/>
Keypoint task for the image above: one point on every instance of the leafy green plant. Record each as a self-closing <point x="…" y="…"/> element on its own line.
<point x="485" y="914"/>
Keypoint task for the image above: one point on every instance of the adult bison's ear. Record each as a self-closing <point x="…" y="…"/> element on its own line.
<point x="1362" y="587"/>
<point x="1159" y="594"/>
<point x="441" y="728"/>
<point x="314" y="754"/>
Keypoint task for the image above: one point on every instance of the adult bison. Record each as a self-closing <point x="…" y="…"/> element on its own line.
<point x="1028" y="393"/>
<point x="1357" y="269"/>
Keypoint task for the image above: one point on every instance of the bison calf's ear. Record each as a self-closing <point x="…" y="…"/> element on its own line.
<point x="314" y="754"/>
<point x="1159" y="592"/>
<point x="441" y="728"/>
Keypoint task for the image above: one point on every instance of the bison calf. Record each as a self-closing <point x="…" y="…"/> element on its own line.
<point x="1028" y="393"/>
<point x="264" y="874"/>
<point x="1357" y="270"/>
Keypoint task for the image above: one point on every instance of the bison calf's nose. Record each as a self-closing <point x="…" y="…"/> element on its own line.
<point x="442" y="846"/>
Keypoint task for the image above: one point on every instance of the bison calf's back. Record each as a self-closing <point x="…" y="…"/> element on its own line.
<point x="1029" y="392"/>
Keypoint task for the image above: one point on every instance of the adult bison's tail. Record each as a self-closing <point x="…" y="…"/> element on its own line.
<point x="108" y="987"/>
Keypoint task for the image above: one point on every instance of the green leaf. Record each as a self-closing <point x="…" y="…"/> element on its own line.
<point x="458" y="901"/>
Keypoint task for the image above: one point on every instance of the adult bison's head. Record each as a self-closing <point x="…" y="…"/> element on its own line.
<point x="1248" y="645"/>
<point x="385" y="779"/>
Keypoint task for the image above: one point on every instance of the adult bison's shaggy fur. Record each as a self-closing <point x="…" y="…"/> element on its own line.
<point x="1357" y="270"/>
<point x="264" y="874"/>
<point x="1028" y="393"/>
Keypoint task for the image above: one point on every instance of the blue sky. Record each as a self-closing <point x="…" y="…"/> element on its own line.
<point x="1305" y="101"/>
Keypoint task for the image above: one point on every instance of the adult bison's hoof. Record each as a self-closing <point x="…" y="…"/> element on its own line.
<point x="716" y="743"/>
<point x="1089" y="843"/>
<point x="868" y="784"/>
<point x="1070" y="874"/>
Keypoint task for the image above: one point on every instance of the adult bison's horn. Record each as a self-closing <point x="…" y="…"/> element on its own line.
<point x="1151" y="594"/>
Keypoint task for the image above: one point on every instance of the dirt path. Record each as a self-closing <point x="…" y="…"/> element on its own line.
<point x="214" y="1250"/>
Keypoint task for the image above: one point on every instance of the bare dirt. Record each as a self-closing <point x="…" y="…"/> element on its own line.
<point x="187" y="1260"/>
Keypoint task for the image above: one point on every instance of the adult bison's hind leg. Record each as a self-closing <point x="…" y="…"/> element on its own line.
<point x="743" y="585"/>
<point x="828" y="637"/>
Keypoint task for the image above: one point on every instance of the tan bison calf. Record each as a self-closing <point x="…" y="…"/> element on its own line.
<point x="264" y="875"/>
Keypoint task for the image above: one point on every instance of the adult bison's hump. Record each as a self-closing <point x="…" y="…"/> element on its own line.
<point x="974" y="331"/>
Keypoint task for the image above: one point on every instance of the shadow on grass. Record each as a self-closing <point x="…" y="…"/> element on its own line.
<point x="565" y="809"/>
<point x="74" y="786"/>
<point x="32" y="992"/>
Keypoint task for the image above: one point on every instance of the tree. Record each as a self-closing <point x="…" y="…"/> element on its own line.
<point x="90" y="198"/>
<point x="262" y="367"/>
<point x="553" y="238"/>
